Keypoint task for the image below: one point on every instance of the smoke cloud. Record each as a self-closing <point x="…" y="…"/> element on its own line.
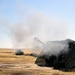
<point x="32" y="24"/>
<point x="55" y="47"/>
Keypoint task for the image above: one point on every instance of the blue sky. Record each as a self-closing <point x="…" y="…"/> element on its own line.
<point x="61" y="9"/>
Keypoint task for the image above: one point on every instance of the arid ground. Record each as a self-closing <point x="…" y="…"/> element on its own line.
<point x="11" y="64"/>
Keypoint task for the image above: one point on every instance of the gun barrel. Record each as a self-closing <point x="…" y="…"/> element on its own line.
<point x="38" y="40"/>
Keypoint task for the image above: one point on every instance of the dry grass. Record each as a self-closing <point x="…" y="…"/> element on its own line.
<point x="11" y="64"/>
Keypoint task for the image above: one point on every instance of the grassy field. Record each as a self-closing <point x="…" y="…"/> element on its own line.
<point x="11" y="64"/>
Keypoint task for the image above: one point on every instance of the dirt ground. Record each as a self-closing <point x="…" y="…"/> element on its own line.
<point x="11" y="64"/>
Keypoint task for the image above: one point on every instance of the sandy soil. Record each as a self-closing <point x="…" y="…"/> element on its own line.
<point x="11" y="64"/>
